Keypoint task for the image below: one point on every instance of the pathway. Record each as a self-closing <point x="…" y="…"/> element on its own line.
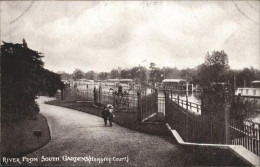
<point x="78" y="134"/>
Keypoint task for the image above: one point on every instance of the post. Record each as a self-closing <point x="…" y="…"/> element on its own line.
<point x="100" y="94"/>
<point x="157" y="99"/>
<point x="139" y="119"/>
<point x="187" y="105"/>
<point x="62" y="91"/>
<point x="171" y="94"/>
<point x="178" y="98"/>
<point x="227" y="130"/>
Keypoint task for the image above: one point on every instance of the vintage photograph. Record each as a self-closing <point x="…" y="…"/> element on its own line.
<point x="130" y="83"/>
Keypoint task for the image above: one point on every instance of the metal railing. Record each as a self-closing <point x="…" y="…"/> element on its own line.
<point x="73" y="94"/>
<point x="247" y="134"/>
<point x="187" y="105"/>
<point x="209" y="129"/>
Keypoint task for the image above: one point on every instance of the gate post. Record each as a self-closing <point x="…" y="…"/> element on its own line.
<point x="227" y="121"/>
<point x="139" y="119"/>
<point x="157" y="100"/>
<point x="62" y="91"/>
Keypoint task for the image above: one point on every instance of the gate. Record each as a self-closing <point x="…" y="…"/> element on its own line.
<point x="150" y="107"/>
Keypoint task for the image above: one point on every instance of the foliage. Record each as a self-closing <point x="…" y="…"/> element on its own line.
<point x="103" y="75"/>
<point x="187" y="74"/>
<point x="78" y="74"/>
<point x="156" y="75"/>
<point x="50" y="82"/>
<point x="242" y="108"/>
<point x="22" y="78"/>
<point x="64" y="75"/>
<point x="212" y="69"/>
<point x="218" y="97"/>
<point x="114" y="74"/>
<point x="244" y="77"/>
<point x="91" y="75"/>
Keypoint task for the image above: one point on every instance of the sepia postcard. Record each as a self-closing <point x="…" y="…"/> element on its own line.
<point x="130" y="83"/>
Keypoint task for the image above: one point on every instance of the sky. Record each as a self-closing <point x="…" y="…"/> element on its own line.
<point x="105" y="35"/>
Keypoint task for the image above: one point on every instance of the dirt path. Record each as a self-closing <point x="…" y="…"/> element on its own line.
<point x="78" y="134"/>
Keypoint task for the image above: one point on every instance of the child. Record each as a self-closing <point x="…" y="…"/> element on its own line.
<point x="111" y="114"/>
<point x="105" y="114"/>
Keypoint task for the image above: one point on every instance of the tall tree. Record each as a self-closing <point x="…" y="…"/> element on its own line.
<point x="212" y="69"/>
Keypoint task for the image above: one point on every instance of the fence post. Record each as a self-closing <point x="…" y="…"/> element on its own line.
<point x="157" y="99"/>
<point x="187" y="105"/>
<point x="95" y="95"/>
<point x="139" y="119"/>
<point x="171" y="94"/>
<point x="227" y="130"/>
<point x="100" y="94"/>
<point x="178" y="99"/>
<point x="62" y="91"/>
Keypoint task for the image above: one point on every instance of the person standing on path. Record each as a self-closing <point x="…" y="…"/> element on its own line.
<point x="105" y="114"/>
<point x="111" y="114"/>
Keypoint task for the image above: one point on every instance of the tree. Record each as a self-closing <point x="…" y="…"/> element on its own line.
<point x="187" y="74"/>
<point x="125" y="74"/>
<point x="103" y="75"/>
<point x="22" y="76"/>
<point x="78" y="74"/>
<point x="91" y="75"/>
<point x="171" y="73"/>
<point x="50" y="82"/>
<point x="114" y="74"/>
<point x="212" y="69"/>
<point x="246" y="76"/>
<point x="156" y="74"/>
<point x="64" y="75"/>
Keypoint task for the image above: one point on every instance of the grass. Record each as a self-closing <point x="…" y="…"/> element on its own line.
<point x="17" y="138"/>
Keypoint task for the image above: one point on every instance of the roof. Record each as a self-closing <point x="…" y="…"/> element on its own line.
<point x="255" y="81"/>
<point x="126" y="80"/>
<point x="174" y="80"/>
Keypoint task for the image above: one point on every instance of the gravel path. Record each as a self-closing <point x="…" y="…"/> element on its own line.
<point x="78" y="134"/>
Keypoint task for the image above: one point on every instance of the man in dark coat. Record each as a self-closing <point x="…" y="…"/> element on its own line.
<point x="105" y="114"/>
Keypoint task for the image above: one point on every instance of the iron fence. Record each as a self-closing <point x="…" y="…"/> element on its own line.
<point x="73" y="94"/>
<point x="209" y="129"/>
<point x="193" y="127"/>
<point x="247" y="134"/>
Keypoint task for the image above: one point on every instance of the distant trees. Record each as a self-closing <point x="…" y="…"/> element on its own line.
<point x="244" y="77"/>
<point x="103" y="75"/>
<point x="64" y="75"/>
<point x="114" y="73"/>
<point x="156" y="74"/>
<point x="215" y="68"/>
<point x="91" y="75"/>
<point x="22" y="78"/>
<point x="78" y="74"/>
